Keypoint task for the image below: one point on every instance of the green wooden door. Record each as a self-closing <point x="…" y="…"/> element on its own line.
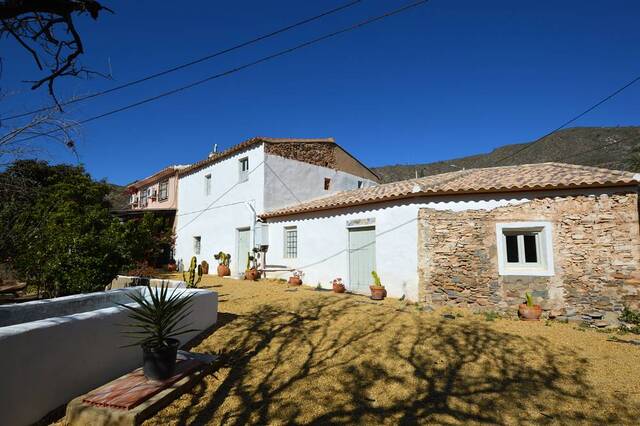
<point x="244" y="246"/>
<point x="362" y="258"/>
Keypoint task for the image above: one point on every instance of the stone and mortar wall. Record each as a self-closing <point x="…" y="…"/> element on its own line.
<point x="596" y="246"/>
<point x="318" y="153"/>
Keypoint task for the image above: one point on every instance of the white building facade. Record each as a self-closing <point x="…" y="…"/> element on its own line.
<point x="221" y="197"/>
<point x="519" y="225"/>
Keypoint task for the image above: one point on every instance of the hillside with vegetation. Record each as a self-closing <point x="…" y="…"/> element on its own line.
<point x="608" y="147"/>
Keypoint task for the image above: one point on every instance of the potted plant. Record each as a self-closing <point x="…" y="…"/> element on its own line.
<point x="296" y="279"/>
<point x="529" y="311"/>
<point x="157" y="321"/>
<point x="252" y="273"/>
<point x="338" y="286"/>
<point x="224" y="260"/>
<point x="378" y="292"/>
<point x="172" y="266"/>
<point x="205" y="267"/>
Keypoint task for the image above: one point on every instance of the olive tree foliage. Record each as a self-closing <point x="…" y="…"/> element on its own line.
<point x="58" y="232"/>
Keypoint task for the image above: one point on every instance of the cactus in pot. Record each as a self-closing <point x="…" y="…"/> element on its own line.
<point x="193" y="271"/>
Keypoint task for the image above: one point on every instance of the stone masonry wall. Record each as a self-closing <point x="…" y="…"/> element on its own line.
<point x="596" y="244"/>
<point x="318" y="153"/>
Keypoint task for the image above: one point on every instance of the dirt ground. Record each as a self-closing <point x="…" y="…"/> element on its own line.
<point x="301" y="356"/>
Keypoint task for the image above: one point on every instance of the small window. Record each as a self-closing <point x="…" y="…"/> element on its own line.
<point x="196" y="244"/>
<point x="360" y="184"/>
<point x="143" y="197"/>
<point x="291" y="242"/>
<point x="524" y="248"/>
<point x="163" y="190"/>
<point x="327" y="183"/>
<point x="207" y="185"/>
<point x="244" y="169"/>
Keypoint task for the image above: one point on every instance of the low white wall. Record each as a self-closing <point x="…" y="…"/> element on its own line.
<point x="48" y="362"/>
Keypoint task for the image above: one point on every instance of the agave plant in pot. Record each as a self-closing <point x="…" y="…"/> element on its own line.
<point x="224" y="260"/>
<point x="158" y="315"/>
<point x="529" y="311"/>
<point x="378" y="292"/>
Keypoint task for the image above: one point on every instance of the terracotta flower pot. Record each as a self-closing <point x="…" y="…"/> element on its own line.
<point x="529" y="313"/>
<point x="295" y="281"/>
<point x="171" y="267"/>
<point x="205" y="267"/>
<point x="252" y="274"/>
<point x="377" y="293"/>
<point x="223" y="271"/>
<point x="338" y="288"/>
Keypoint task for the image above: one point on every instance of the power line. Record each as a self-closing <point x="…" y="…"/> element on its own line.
<point x="239" y="68"/>
<point x="191" y="63"/>
<point x="585" y="112"/>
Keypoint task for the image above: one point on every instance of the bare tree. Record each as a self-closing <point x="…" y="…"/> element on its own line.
<point x="18" y="139"/>
<point x="45" y="29"/>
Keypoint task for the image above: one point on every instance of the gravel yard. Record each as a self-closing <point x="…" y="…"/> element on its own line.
<point x="300" y="356"/>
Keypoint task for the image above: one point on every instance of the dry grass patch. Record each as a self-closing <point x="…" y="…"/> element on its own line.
<point x="299" y="356"/>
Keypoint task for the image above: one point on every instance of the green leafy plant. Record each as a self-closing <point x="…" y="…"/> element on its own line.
<point x="194" y="269"/>
<point x="632" y="317"/>
<point x="376" y="279"/>
<point x="529" y="299"/>
<point x="490" y="315"/>
<point x="158" y="317"/>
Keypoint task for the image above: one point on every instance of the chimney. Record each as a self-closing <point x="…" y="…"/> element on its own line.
<point x="215" y="150"/>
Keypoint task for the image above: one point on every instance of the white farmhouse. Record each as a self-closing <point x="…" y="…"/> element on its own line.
<point x="476" y="238"/>
<point x="221" y="197"/>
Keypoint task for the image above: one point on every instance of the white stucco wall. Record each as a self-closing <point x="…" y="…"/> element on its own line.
<point x="323" y="238"/>
<point x="272" y="183"/>
<point x="216" y="217"/>
<point x="290" y="181"/>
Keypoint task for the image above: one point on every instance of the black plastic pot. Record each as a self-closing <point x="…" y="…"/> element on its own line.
<point x="159" y="363"/>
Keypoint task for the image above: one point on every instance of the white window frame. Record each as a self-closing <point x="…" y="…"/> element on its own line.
<point x="544" y="247"/>
<point x="243" y="174"/>
<point x="165" y="184"/>
<point x="285" y="240"/>
<point x="207" y="184"/>
<point x="197" y="244"/>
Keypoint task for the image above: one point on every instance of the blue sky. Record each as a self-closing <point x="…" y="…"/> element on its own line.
<point x="447" y="79"/>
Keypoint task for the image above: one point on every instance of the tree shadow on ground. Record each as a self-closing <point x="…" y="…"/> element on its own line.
<point x="335" y="361"/>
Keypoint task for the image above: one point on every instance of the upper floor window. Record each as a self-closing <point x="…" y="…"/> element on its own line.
<point x="525" y="248"/>
<point x="327" y="183"/>
<point x="207" y="184"/>
<point x="244" y="169"/>
<point x="290" y="242"/>
<point x="360" y="184"/>
<point x="144" y="194"/>
<point x="163" y="190"/>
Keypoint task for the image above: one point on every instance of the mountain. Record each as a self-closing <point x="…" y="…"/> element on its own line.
<point x="607" y="147"/>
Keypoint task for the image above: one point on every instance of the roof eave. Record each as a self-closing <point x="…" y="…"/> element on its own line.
<point x="444" y="193"/>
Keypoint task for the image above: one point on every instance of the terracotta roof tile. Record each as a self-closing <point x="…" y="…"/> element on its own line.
<point x="524" y="177"/>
